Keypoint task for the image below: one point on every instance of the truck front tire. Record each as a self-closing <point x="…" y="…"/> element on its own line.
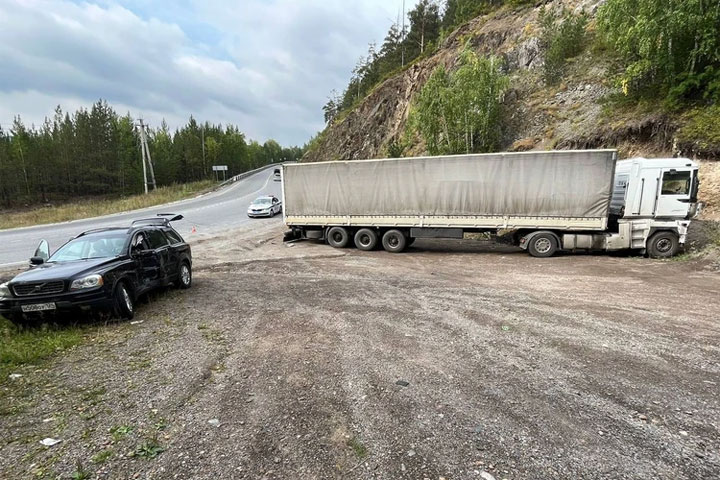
<point x="543" y="245"/>
<point x="663" y="245"/>
<point x="338" y="237"/>
<point x="394" y="241"/>
<point x="366" y="239"/>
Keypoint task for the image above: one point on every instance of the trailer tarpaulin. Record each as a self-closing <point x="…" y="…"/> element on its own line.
<point x="538" y="184"/>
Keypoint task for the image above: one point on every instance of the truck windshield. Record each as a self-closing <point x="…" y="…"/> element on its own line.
<point x="93" y="246"/>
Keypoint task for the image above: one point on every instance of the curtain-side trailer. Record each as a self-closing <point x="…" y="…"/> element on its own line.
<point x="551" y="201"/>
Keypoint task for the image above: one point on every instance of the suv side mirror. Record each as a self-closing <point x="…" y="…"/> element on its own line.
<point x="42" y="251"/>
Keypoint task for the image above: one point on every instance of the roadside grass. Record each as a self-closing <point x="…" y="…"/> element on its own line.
<point x="88" y="208"/>
<point x="32" y="346"/>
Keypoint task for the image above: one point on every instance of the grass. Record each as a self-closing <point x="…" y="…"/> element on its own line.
<point x="701" y="131"/>
<point x="32" y="346"/>
<point x="120" y="431"/>
<point x="94" y="208"/>
<point x="149" y="449"/>
<point x="358" y="447"/>
<point x="102" y="456"/>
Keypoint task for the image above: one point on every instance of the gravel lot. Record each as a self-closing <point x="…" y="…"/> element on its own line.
<point x="459" y="362"/>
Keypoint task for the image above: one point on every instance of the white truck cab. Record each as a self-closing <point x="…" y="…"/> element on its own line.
<point x="663" y="188"/>
<point x="653" y="202"/>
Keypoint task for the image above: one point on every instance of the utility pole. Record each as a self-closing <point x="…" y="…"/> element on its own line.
<point x="146" y="157"/>
<point x="202" y="139"/>
<point x="402" y="35"/>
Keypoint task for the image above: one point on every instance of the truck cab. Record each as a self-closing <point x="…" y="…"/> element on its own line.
<point x="664" y="188"/>
<point x="653" y="201"/>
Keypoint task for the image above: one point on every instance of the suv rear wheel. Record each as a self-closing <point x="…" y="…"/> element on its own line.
<point x="184" y="276"/>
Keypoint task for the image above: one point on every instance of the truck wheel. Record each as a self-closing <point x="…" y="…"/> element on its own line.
<point x="366" y="239"/>
<point x="663" y="245"/>
<point x="394" y="241"/>
<point x="124" y="304"/>
<point x="338" y="237"/>
<point x="543" y="245"/>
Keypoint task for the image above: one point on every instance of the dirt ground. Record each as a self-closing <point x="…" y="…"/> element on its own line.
<point x="455" y="360"/>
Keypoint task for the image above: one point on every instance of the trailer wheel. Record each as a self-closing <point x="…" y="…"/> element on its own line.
<point x="338" y="237"/>
<point x="543" y="245"/>
<point x="366" y="239"/>
<point x="394" y="241"/>
<point x="663" y="245"/>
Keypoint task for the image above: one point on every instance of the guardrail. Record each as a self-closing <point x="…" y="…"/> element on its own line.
<point x="247" y="174"/>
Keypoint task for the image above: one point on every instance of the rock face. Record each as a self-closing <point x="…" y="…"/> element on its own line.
<point x="537" y="116"/>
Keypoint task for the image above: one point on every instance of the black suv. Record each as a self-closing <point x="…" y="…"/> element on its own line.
<point x="105" y="269"/>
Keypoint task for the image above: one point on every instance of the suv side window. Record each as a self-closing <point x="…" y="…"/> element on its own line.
<point x="173" y="236"/>
<point x="156" y="239"/>
<point x="139" y="242"/>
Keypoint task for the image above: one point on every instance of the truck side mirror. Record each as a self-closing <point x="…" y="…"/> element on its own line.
<point x="42" y="251"/>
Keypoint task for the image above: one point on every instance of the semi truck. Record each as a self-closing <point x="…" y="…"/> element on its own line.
<point x="545" y="202"/>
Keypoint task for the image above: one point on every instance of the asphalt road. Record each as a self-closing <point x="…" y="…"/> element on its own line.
<point x="208" y="213"/>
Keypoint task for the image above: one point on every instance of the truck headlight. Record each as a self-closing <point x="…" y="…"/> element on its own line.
<point x="4" y="291"/>
<point x="87" y="282"/>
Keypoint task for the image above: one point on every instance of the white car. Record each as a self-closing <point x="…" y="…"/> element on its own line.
<point x="265" y="206"/>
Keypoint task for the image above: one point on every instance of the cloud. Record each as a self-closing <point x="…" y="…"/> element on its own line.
<point x="266" y="66"/>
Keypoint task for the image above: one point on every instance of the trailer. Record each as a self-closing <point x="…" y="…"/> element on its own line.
<point x="548" y="201"/>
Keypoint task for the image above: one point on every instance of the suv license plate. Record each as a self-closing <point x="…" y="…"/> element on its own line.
<point x="38" y="307"/>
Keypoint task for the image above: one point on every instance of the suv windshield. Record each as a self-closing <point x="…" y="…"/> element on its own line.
<point x="91" y="246"/>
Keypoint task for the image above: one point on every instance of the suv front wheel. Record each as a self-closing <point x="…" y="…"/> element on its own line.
<point x="124" y="303"/>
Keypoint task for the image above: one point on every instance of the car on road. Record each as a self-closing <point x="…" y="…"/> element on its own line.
<point x="276" y="175"/>
<point x="265" y="206"/>
<point x="99" y="270"/>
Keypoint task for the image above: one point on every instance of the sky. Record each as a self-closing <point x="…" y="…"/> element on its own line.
<point x="267" y="66"/>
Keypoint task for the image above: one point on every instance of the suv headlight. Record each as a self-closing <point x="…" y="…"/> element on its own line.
<point x="87" y="282"/>
<point x="4" y="291"/>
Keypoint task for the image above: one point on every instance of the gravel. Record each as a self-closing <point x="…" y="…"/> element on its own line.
<point x="287" y="363"/>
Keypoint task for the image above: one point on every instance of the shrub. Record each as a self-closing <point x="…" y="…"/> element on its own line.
<point x="562" y="36"/>
<point x="460" y="112"/>
<point x="668" y="48"/>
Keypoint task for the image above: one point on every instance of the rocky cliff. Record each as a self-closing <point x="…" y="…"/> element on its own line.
<point x="573" y="114"/>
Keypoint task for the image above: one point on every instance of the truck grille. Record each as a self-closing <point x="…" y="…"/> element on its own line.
<point x="38" y="288"/>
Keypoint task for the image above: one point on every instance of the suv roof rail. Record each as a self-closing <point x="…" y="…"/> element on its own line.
<point x="160" y="221"/>
<point x="99" y="230"/>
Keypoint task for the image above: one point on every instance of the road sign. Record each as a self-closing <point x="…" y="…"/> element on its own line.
<point x="220" y="168"/>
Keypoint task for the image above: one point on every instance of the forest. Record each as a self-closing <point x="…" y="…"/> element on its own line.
<point x="96" y="152"/>
<point x="665" y="56"/>
<point x="428" y="24"/>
